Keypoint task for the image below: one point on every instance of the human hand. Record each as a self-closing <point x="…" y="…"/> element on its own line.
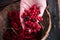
<point x="26" y="4"/>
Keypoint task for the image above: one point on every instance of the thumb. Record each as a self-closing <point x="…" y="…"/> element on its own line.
<point x="24" y="5"/>
<point x="42" y="6"/>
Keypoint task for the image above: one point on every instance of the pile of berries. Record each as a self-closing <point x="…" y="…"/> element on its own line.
<point x="31" y="27"/>
<point x="31" y="18"/>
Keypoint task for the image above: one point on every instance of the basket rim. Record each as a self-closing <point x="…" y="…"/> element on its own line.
<point x="49" y="28"/>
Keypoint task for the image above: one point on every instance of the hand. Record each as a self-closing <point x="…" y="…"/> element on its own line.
<point x="42" y="6"/>
<point x="26" y="4"/>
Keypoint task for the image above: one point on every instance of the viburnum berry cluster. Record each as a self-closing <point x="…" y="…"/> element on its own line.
<point x="31" y="18"/>
<point x="31" y="26"/>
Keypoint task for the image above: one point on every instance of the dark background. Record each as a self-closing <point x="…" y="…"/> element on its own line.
<point x="53" y="8"/>
<point x="55" y="31"/>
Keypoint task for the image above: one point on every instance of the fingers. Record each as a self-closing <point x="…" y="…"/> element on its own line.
<point x="42" y="6"/>
<point x="24" y="5"/>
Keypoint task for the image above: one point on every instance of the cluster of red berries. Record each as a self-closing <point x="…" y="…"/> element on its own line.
<point x="30" y="18"/>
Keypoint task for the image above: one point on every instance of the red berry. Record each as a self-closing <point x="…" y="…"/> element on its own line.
<point x="14" y="25"/>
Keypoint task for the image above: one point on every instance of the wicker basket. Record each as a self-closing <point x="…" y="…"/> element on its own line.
<point x="46" y="24"/>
